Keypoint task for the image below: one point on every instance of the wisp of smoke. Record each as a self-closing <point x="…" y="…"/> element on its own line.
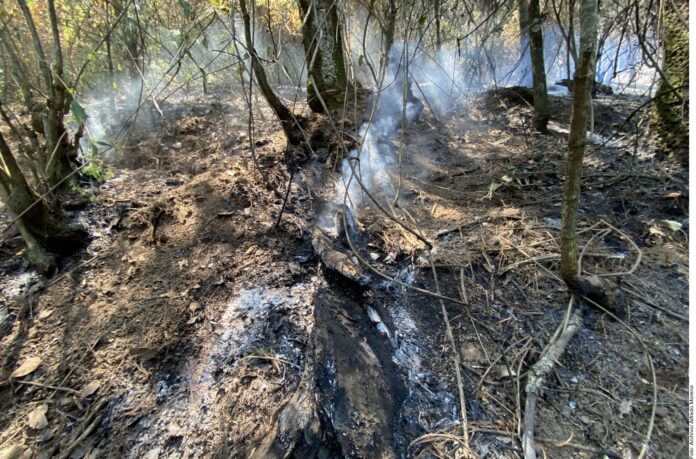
<point x="430" y="81"/>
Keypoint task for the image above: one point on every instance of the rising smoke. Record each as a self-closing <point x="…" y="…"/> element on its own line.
<point x="413" y="79"/>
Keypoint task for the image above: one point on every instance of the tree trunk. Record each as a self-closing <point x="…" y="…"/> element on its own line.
<point x="536" y="51"/>
<point x="571" y="49"/>
<point x="388" y="34"/>
<point x="58" y="154"/>
<point x="322" y="37"/>
<point x="438" y="37"/>
<point x="525" y="65"/>
<point x="284" y="115"/>
<point x="132" y="51"/>
<point x="48" y="229"/>
<point x="671" y="111"/>
<point x="36" y="255"/>
<point x="582" y="88"/>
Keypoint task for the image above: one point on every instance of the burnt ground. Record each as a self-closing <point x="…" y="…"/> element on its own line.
<point x="192" y="326"/>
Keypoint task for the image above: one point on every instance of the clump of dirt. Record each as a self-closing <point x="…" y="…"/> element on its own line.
<point x="194" y="326"/>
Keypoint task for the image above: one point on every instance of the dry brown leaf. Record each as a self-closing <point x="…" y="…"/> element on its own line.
<point x="29" y="366"/>
<point x="45" y="314"/>
<point x="37" y="418"/>
<point x="89" y="389"/>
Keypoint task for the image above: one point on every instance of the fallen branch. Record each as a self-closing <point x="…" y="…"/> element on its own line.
<point x="537" y="374"/>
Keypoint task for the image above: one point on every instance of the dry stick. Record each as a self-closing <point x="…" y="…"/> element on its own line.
<point x="538" y="258"/>
<point x="528" y="437"/>
<point x="635" y="247"/>
<point x="462" y="287"/>
<point x="651" y="366"/>
<point x="285" y="199"/>
<point x="404" y="93"/>
<point x="647" y="302"/>
<point x="94" y="419"/>
<point x="538" y="372"/>
<point x="48" y="386"/>
<point x="82" y="359"/>
<point x="589" y="242"/>
<point x="518" y="398"/>
<point x="453" y="344"/>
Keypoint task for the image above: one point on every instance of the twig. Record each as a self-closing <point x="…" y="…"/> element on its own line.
<point x="651" y="366"/>
<point x="48" y="386"/>
<point x="589" y="449"/>
<point x="285" y="199"/>
<point x="537" y="375"/>
<point x="642" y="299"/>
<point x="639" y="252"/>
<point x="445" y="232"/>
<point x="455" y="351"/>
<point x="93" y="421"/>
<point x="538" y="258"/>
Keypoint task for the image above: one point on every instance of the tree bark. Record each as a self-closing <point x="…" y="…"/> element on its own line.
<point x="284" y="115"/>
<point x="438" y="37"/>
<point x="36" y="255"/>
<point x="523" y="10"/>
<point x="536" y="51"/>
<point x="46" y="227"/>
<point x="582" y="88"/>
<point x="58" y="153"/>
<point x="671" y="111"/>
<point x="322" y="37"/>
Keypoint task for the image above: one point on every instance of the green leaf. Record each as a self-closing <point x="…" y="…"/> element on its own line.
<point x="672" y="225"/>
<point x="78" y="111"/>
<point x="91" y="57"/>
<point x="186" y="7"/>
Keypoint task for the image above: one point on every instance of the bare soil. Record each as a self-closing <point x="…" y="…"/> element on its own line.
<point x="210" y="332"/>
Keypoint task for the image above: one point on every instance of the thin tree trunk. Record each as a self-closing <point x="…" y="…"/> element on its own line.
<point x="287" y="121"/>
<point x="48" y="228"/>
<point x="59" y="154"/>
<point x="536" y="51"/>
<point x="572" y="52"/>
<point x="322" y="37"/>
<point x="582" y="88"/>
<point x="388" y="36"/>
<point x="438" y="37"/>
<point x="523" y="10"/>
<point x="36" y="255"/>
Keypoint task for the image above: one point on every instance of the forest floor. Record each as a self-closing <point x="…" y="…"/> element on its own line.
<point x="191" y="323"/>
